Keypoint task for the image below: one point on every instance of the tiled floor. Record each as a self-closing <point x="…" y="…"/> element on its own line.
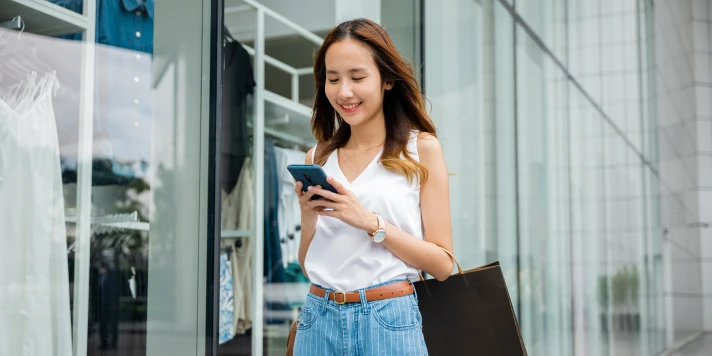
<point x="699" y="347"/>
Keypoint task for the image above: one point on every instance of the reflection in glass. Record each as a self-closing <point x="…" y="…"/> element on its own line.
<point x="545" y="252"/>
<point x="40" y="117"/>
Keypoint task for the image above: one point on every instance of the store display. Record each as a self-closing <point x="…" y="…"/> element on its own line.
<point x="71" y="282"/>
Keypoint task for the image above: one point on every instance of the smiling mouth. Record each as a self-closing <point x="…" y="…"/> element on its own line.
<point x="350" y="107"/>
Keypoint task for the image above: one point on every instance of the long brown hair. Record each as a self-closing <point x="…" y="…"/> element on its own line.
<point x="403" y="105"/>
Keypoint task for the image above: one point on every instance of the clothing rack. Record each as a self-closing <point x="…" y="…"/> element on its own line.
<point x="287" y="138"/>
<point x="268" y="104"/>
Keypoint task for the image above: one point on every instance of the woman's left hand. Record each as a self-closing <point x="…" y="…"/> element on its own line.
<point x="346" y="207"/>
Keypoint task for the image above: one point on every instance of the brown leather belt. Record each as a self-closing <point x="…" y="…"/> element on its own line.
<point x="392" y="290"/>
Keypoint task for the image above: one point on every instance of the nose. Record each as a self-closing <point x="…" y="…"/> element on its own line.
<point x="345" y="92"/>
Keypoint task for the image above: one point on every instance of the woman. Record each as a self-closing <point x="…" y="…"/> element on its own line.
<point x="362" y="248"/>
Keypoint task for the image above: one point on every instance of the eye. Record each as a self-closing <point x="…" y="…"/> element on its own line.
<point x="357" y="79"/>
<point x="333" y="81"/>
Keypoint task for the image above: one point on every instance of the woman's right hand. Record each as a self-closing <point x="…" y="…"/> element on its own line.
<point x="309" y="214"/>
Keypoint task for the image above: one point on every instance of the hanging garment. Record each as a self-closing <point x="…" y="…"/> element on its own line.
<point x="273" y="266"/>
<point x="238" y="214"/>
<point x="121" y="23"/>
<point x="274" y="271"/>
<point x="241" y="262"/>
<point x="289" y="213"/>
<point x="238" y="82"/>
<point x="34" y="282"/>
<point x="238" y="207"/>
<point x="227" y="304"/>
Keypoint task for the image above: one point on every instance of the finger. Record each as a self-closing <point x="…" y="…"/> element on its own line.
<point x="309" y="193"/>
<point x="336" y="184"/>
<point x="328" y="194"/>
<point x="298" y="189"/>
<point x="331" y="213"/>
<point x="323" y="203"/>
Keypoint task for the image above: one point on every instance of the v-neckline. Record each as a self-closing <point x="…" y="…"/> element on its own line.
<point x="365" y="169"/>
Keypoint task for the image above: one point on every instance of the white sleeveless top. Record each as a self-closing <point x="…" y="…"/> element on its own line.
<point x="344" y="258"/>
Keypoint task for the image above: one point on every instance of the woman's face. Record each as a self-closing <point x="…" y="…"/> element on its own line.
<point x="353" y="82"/>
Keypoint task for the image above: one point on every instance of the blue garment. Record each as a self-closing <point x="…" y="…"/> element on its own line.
<point x="126" y="24"/>
<point x="227" y="307"/>
<point x="120" y="23"/>
<point x="273" y="266"/>
<point x="383" y="327"/>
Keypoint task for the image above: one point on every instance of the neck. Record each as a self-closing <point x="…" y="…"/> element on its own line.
<point x="368" y="134"/>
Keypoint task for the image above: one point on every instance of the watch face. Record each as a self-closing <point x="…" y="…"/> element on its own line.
<point x="379" y="236"/>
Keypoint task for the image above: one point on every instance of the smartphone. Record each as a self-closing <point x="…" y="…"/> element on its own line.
<point x="310" y="175"/>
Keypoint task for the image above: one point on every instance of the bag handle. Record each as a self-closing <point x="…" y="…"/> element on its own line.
<point x="457" y="263"/>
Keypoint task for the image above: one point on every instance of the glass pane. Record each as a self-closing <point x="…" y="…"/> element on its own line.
<point x="469" y="58"/>
<point x="589" y="277"/>
<point x="99" y="196"/>
<point x="287" y="100"/>
<point x="454" y="74"/>
<point x="547" y="19"/>
<point x="543" y="201"/>
<point x="402" y="19"/>
<point x="608" y="57"/>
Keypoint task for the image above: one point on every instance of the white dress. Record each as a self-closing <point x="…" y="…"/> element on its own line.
<point x="34" y="282"/>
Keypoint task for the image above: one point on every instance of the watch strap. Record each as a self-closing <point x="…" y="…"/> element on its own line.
<point x="381" y="225"/>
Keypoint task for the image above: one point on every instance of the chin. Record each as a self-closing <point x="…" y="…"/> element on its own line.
<point x="354" y="120"/>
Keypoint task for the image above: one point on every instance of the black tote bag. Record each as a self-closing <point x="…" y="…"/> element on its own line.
<point x="470" y="313"/>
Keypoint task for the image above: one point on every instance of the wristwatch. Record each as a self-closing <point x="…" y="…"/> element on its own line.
<point x="380" y="234"/>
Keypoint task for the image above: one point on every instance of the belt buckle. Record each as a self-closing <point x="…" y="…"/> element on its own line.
<point x="339" y="293"/>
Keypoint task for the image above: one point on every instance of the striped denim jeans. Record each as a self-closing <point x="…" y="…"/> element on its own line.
<point x="382" y="327"/>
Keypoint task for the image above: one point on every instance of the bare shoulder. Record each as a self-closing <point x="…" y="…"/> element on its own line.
<point x="429" y="145"/>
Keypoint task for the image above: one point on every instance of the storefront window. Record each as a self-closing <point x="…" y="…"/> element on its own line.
<point x="100" y="164"/>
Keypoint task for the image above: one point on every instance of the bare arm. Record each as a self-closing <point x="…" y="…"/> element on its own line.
<point x="426" y="254"/>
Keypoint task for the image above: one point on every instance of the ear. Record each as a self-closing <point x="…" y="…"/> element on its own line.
<point x="388" y="85"/>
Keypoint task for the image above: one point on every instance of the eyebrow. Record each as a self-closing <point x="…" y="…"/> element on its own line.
<point x="353" y="70"/>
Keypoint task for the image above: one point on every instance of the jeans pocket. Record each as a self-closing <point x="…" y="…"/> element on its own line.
<point x="306" y="319"/>
<point x="308" y="314"/>
<point x="396" y="313"/>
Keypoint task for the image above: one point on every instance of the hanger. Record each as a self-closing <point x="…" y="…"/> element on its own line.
<point x="18" y="57"/>
<point x="15" y="24"/>
<point x="227" y="37"/>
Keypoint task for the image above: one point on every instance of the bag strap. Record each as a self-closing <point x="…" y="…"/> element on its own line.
<point x="291" y="338"/>
<point x="457" y="263"/>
